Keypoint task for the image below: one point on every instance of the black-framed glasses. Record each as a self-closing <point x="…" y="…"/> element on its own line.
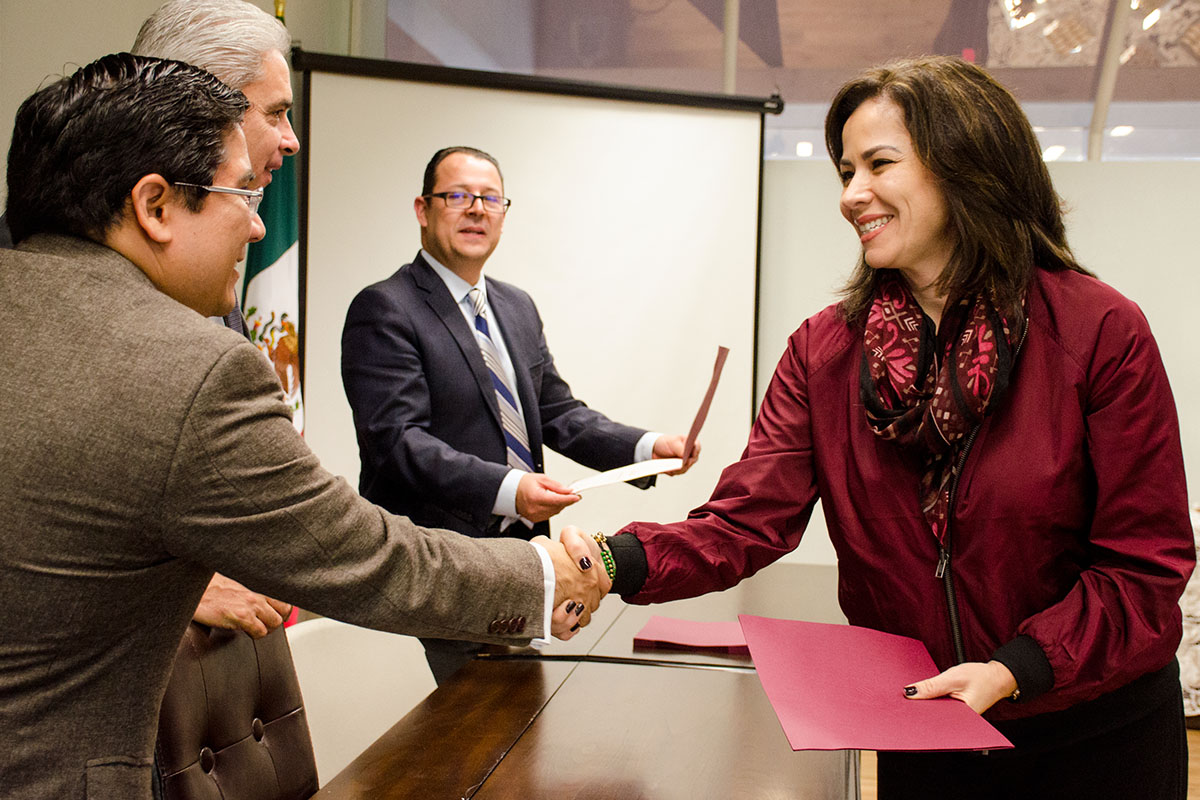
<point x="491" y="202"/>
<point x="253" y="197"/>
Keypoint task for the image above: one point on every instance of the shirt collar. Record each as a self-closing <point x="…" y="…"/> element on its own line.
<point x="457" y="286"/>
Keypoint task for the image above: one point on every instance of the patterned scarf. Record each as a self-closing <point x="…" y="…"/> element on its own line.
<point x="927" y="390"/>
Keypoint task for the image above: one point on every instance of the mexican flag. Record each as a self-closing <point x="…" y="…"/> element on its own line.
<point x="271" y="286"/>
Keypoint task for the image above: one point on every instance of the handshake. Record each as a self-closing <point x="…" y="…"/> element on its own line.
<point x="581" y="578"/>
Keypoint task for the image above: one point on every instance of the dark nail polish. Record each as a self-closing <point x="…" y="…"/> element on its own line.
<point x="909" y="691"/>
<point x="571" y="607"/>
<point x="575" y="627"/>
<point x="585" y="563"/>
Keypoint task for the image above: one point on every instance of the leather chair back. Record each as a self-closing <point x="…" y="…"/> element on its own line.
<point x="232" y="724"/>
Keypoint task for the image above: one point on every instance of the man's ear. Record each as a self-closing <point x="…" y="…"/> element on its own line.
<point x="151" y="207"/>
<point x="420" y="205"/>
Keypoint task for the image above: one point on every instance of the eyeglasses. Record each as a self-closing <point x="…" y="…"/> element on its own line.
<point x="491" y="202"/>
<point x="253" y="197"/>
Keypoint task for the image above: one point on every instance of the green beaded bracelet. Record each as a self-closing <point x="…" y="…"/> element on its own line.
<point x="610" y="566"/>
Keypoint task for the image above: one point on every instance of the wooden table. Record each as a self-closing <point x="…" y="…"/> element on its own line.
<point x="594" y="718"/>
<point x="787" y="591"/>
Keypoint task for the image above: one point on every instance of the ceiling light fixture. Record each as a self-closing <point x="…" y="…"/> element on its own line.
<point x="1016" y="24"/>
<point x="1191" y="39"/>
<point x="1068" y="34"/>
<point x="1019" y="13"/>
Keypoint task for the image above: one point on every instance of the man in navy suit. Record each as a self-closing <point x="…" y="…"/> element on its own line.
<point x="427" y="409"/>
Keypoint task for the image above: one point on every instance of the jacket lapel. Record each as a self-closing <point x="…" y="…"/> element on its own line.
<point x="444" y="306"/>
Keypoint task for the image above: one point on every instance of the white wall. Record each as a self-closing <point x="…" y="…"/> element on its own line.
<point x="636" y="243"/>
<point x="42" y="41"/>
<point x="1126" y="221"/>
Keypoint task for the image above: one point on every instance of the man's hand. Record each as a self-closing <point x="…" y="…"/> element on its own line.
<point x="977" y="684"/>
<point x="672" y="447"/>
<point x="228" y="604"/>
<point x="580" y="581"/>
<point x="540" y="497"/>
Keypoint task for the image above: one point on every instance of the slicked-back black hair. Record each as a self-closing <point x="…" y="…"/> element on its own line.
<point x="80" y="145"/>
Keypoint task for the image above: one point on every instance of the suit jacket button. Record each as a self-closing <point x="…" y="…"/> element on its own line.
<point x="520" y="625"/>
<point x="494" y="627"/>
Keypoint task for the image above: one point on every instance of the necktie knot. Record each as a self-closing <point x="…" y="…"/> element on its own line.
<point x="478" y="301"/>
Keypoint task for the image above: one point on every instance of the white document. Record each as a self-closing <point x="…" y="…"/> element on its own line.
<point x="629" y="472"/>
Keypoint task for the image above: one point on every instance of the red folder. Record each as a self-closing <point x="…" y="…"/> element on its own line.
<point x="841" y="687"/>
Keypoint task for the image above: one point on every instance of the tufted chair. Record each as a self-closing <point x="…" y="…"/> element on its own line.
<point x="232" y="724"/>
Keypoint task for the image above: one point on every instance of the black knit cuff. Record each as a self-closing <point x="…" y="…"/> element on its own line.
<point x="630" y="558"/>
<point x="1027" y="662"/>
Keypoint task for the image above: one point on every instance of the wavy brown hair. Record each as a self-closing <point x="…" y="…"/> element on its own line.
<point x="969" y="131"/>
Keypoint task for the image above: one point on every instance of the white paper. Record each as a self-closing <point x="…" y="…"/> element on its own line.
<point x="629" y="472"/>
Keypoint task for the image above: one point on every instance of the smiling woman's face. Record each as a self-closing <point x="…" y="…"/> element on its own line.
<point x="893" y="201"/>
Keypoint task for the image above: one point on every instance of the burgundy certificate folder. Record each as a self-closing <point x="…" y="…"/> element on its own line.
<point x="841" y="687"/>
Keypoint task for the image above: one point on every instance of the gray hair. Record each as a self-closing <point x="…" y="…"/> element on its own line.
<point x="229" y="38"/>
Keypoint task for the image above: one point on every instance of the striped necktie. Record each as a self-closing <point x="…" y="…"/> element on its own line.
<point x="515" y="437"/>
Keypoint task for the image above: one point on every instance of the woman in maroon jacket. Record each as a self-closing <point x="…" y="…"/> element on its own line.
<point x="993" y="440"/>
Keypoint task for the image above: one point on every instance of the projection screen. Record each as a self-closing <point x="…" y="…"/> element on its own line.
<point x="634" y="226"/>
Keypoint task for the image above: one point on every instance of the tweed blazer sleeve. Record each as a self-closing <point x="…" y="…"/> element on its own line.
<point x="246" y="497"/>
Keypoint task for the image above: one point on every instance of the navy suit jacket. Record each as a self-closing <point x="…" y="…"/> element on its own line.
<point x="425" y="410"/>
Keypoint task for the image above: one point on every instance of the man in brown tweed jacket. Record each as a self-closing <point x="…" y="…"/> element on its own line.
<point x="143" y="447"/>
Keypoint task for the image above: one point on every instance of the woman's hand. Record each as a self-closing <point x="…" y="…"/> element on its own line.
<point x="977" y="684"/>
<point x="580" y="580"/>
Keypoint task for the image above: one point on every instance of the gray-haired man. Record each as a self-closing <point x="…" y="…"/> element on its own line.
<point x="246" y="49"/>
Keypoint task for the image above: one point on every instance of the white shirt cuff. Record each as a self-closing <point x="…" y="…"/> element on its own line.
<point x="548" y="604"/>
<point x="506" y="497"/>
<point x="506" y="500"/>
<point x="644" y="450"/>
